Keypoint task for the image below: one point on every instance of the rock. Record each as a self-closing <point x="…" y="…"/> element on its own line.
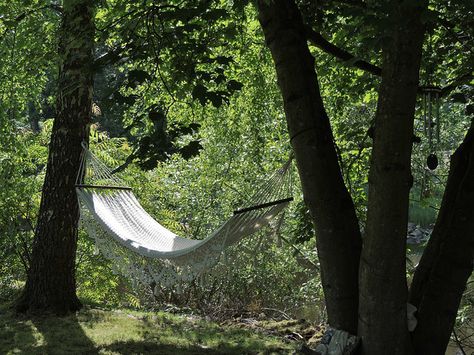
<point x="303" y="349"/>
<point x="338" y="342"/>
<point x="326" y="339"/>
<point x="417" y="234"/>
<point x="335" y="342"/>
<point x="322" y="349"/>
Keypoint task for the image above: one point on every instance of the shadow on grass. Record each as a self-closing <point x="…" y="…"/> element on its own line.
<point x="201" y="338"/>
<point x="46" y="334"/>
<point x="150" y="347"/>
<point x="63" y="335"/>
<point x="101" y="332"/>
<point x="154" y="347"/>
<point x="15" y="335"/>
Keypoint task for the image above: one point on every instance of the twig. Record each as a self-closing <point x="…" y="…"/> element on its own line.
<point x="458" y="342"/>
<point x="299" y="251"/>
<point x="286" y="316"/>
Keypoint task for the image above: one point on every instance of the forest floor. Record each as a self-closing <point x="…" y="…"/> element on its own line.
<point x="97" y="331"/>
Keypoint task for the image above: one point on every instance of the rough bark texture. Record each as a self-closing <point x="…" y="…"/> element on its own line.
<point x="337" y="229"/>
<point x="51" y="282"/>
<point x="447" y="262"/>
<point x="383" y="288"/>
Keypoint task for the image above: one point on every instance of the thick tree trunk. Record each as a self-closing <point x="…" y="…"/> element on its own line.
<point x="337" y="229"/>
<point x="51" y="282"/>
<point x="447" y="262"/>
<point x="383" y="288"/>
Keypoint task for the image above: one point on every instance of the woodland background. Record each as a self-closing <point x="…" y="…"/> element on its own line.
<point x="186" y="103"/>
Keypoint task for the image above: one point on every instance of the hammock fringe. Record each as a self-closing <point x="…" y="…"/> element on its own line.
<point x="144" y="250"/>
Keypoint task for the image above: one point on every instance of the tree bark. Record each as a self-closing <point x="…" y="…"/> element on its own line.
<point x="447" y="262"/>
<point x="382" y="283"/>
<point x="331" y="206"/>
<point x="51" y="285"/>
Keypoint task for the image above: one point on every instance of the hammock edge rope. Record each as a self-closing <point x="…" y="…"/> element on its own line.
<point x="142" y="249"/>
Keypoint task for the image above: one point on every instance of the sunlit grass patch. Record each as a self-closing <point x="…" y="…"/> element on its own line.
<point x="94" y="331"/>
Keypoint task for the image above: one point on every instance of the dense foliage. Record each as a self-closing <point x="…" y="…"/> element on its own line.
<point x="186" y="105"/>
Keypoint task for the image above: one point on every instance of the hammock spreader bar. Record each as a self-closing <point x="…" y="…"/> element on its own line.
<point x="103" y="187"/>
<point x="143" y="249"/>
<point x="263" y="205"/>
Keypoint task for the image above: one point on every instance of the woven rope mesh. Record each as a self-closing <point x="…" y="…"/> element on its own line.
<point x="143" y="249"/>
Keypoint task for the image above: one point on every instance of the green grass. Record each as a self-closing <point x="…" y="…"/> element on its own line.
<point x="422" y="214"/>
<point x="94" y="331"/>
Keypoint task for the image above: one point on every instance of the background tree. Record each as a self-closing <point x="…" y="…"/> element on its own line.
<point x="313" y="144"/>
<point x="51" y="275"/>
<point x="447" y="261"/>
<point x="51" y="281"/>
<point x="195" y="78"/>
<point x="382" y="282"/>
<point x="382" y="320"/>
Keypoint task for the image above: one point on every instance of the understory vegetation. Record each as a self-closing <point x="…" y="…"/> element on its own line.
<point x="186" y="107"/>
<point x="97" y="331"/>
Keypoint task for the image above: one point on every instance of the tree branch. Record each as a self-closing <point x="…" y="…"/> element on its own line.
<point x="319" y="41"/>
<point x="352" y="3"/>
<point x="22" y="16"/>
<point x="463" y="79"/>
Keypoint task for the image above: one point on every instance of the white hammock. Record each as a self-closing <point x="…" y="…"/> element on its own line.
<point x="143" y="249"/>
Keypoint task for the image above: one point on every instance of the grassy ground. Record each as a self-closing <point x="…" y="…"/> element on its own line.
<point x="94" y="331"/>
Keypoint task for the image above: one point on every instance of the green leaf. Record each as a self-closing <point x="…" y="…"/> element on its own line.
<point x="200" y="93"/>
<point x="234" y="85"/>
<point x="137" y="77"/>
<point x="215" y="14"/>
<point x="191" y="150"/>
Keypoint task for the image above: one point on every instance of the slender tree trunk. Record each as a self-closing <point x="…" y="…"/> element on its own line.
<point x="51" y="282"/>
<point x="383" y="288"/>
<point x="33" y="117"/>
<point x="447" y="262"/>
<point x="332" y="209"/>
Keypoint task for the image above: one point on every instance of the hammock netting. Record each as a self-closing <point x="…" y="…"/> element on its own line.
<point x="142" y="249"/>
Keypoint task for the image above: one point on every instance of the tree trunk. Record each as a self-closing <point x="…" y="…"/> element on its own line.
<point x="332" y="209"/>
<point x="383" y="288"/>
<point x="447" y="262"/>
<point x="33" y="117"/>
<point x="51" y="285"/>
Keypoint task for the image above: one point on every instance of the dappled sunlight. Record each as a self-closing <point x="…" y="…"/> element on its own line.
<point x="96" y="331"/>
<point x="231" y="177"/>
